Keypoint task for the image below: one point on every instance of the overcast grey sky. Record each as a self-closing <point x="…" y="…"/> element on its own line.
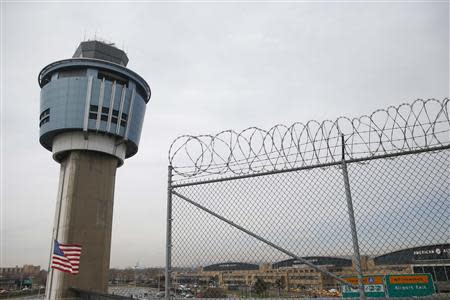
<point x="211" y="66"/>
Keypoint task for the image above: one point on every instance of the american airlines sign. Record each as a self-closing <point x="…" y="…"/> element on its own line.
<point x="432" y="252"/>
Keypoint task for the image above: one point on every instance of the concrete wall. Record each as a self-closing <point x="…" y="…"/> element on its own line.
<point x="84" y="216"/>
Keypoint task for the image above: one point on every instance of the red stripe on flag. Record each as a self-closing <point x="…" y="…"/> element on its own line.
<point x="70" y="245"/>
<point x="70" y="248"/>
<point x="71" y="252"/>
<point x="62" y="263"/>
<point x="63" y="258"/>
<point x="67" y="265"/>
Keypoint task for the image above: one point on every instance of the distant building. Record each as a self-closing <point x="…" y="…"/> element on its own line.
<point x="29" y="270"/>
<point x="9" y="276"/>
<point x="10" y="271"/>
<point x="431" y="259"/>
<point x="293" y="274"/>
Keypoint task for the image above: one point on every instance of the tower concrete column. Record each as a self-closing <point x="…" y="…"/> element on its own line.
<point x="84" y="215"/>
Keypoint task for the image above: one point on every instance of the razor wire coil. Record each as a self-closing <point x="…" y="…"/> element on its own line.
<point x="420" y="125"/>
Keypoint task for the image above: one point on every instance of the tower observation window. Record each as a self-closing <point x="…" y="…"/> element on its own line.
<point x="115" y="118"/>
<point x="115" y="114"/>
<point x="44" y="117"/>
<point x="105" y="113"/>
<point x="93" y="109"/>
<point x="123" y="121"/>
<point x="93" y="114"/>
<point x="72" y="73"/>
<point x="112" y="77"/>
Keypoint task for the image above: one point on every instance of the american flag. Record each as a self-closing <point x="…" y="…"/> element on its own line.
<point x="66" y="257"/>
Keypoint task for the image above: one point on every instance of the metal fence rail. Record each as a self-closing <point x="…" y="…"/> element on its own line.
<point x="292" y="211"/>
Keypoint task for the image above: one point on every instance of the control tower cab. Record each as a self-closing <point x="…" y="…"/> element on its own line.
<point x="92" y="102"/>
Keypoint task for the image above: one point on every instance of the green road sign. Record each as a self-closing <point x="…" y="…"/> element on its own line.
<point x="373" y="287"/>
<point x="409" y="285"/>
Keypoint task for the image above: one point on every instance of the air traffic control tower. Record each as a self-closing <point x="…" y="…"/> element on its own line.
<point x="91" y="113"/>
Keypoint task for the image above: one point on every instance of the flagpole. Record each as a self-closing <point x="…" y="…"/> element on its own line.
<point x="55" y="231"/>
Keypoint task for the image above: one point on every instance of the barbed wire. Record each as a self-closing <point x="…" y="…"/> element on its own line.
<point x="422" y="124"/>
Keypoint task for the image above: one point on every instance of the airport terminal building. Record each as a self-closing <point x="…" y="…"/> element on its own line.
<point x="292" y="274"/>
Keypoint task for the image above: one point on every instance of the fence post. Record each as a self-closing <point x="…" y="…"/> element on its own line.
<point x="168" y="234"/>
<point x="351" y="216"/>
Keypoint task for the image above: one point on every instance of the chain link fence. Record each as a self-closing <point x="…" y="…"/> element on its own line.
<point x="325" y="209"/>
